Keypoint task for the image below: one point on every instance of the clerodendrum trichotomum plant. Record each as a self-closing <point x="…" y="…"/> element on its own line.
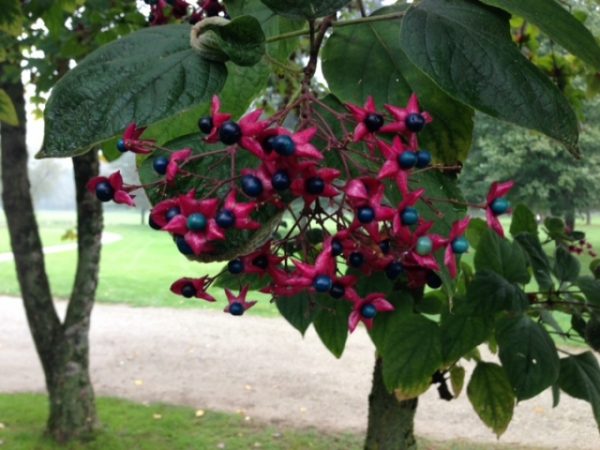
<point x="344" y="206"/>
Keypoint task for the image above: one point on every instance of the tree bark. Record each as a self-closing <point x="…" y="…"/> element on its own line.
<point x="62" y="348"/>
<point x="391" y="422"/>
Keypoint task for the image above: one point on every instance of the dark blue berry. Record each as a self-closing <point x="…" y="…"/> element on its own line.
<point x="160" y="164"/>
<point x="423" y="159"/>
<point x="500" y="206"/>
<point x="336" y="247"/>
<point x="315" y="185"/>
<point x="322" y="283"/>
<point x="415" y="122"/>
<point x="261" y="261"/>
<point x="188" y="291"/>
<point x="183" y="246"/>
<point x="236" y="309"/>
<point x="337" y="290"/>
<point x="230" y="133"/>
<point x="205" y="124"/>
<point x="284" y="145"/>
<point x="235" y="266"/>
<point x="281" y="180"/>
<point x="267" y="144"/>
<point x="197" y="222"/>
<point x="433" y="280"/>
<point x="121" y="146"/>
<point x="356" y="259"/>
<point x="385" y="246"/>
<point x="460" y="245"/>
<point x="365" y="214"/>
<point x="368" y="311"/>
<point x="393" y="270"/>
<point x="374" y="122"/>
<point x="104" y="191"/>
<point x="252" y="186"/>
<point x="407" y="159"/>
<point x="410" y="216"/>
<point x="225" y="218"/>
<point x="153" y="224"/>
<point x="172" y="212"/>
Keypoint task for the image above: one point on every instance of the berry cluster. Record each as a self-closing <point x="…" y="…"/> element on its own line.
<point x="341" y="190"/>
<point x="162" y="11"/>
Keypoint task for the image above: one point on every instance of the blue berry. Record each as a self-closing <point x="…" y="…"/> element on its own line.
<point x="368" y="311"/>
<point x="365" y="214"/>
<point x="374" y="122"/>
<point x="183" y="246"/>
<point x="225" y="218"/>
<point x="205" y="124"/>
<point x="410" y="216"/>
<point x="121" y="146"/>
<point x="267" y="144"/>
<point x="261" y="261"/>
<point x="337" y="290"/>
<point x="415" y="122"/>
<point x="153" y="224"/>
<point x="160" y="164"/>
<point x="356" y="259"/>
<point x="460" y="245"/>
<point x="252" y="186"/>
<point x="284" y="145"/>
<point x="281" y="180"/>
<point x="230" y="133"/>
<point x="235" y="266"/>
<point x="407" y="159"/>
<point x="424" y="246"/>
<point x="385" y="246"/>
<point x="423" y="159"/>
<point x="336" y="247"/>
<point x="236" y="309"/>
<point x="500" y="206"/>
<point x="322" y="283"/>
<point x="433" y="280"/>
<point x="172" y="212"/>
<point x="197" y="222"/>
<point x="315" y="185"/>
<point x="104" y="191"/>
<point x="188" y="291"/>
<point x="393" y="270"/>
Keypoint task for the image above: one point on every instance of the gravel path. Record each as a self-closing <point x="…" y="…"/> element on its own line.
<point x="262" y="368"/>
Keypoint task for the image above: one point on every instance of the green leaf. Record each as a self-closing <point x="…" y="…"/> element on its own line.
<point x="590" y="288"/>
<point x="557" y="23"/>
<point x="461" y="332"/>
<point x="331" y="324"/>
<point x="491" y="395"/>
<point x="540" y="264"/>
<point x="240" y="40"/>
<point x="144" y="77"/>
<point x="236" y="281"/>
<point x="411" y="354"/>
<point x="299" y="310"/>
<point x="501" y="256"/>
<point x="528" y="355"/>
<point x="566" y="266"/>
<point x="367" y="59"/>
<point x="523" y="221"/>
<point x="555" y="227"/>
<point x="8" y="114"/>
<point x="466" y="48"/>
<point x="489" y="293"/>
<point x="477" y="227"/>
<point x="580" y="378"/>
<point x="11" y="17"/>
<point x="385" y="324"/>
<point x="457" y="380"/>
<point x="308" y="9"/>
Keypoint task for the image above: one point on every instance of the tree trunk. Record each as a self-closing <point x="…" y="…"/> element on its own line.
<point x="62" y="348"/>
<point x="391" y="422"/>
<point x="588" y="217"/>
<point x="570" y="219"/>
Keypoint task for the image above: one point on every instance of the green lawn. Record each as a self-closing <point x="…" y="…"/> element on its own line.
<point x="131" y="426"/>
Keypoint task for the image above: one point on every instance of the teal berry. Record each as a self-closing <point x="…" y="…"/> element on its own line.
<point x="500" y="206"/>
<point x="423" y="159"/>
<point x="368" y="311"/>
<point x="197" y="222"/>
<point x="424" y="246"/>
<point x="407" y="160"/>
<point x="236" y="309"/>
<point x="410" y="216"/>
<point x="322" y="283"/>
<point x="121" y="146"/>
<point x="460" y="245"/>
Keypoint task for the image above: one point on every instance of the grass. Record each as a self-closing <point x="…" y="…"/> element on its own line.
<point x="131" y="426"/>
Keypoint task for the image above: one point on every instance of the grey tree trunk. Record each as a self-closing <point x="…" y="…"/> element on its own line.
<point x="63" y="348"/>
<point x="391" y="422"/>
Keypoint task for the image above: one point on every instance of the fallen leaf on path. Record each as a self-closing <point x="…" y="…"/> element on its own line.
<point x="138" y="382"/>
<point x="199" y="412"/>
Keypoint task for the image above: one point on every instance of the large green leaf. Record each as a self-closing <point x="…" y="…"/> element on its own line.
<point x="528" y="355"/>
<point x="590" y="288"/>
<point x="491" y="395"/>
<point x="490" y="293"/>
<point x="523" y="221"/>
<point x="146" y="76"/>
<point x="462" y="331"/>
<point x="411" y="354"/>
<point x="331" y="324"/>
<point x="367" y="59"/>
<point x="466" y="48"/>
<point x="8" y="114"/>
<point x="580" y="378"/>
<point x="501" y="256"/>
<point x="299" y="310"/>
<point x="557" y="23"/>
<point x="566" y="266"/>
<point x="537" y="257"/>
<point x="308" y="9"/>
<point x="11" y="17"/>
